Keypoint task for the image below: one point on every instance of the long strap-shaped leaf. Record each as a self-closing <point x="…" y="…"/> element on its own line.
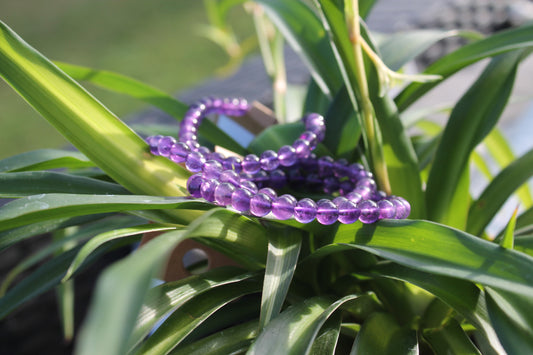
<point x="471" y="120"/>
<point x="90" y="126"/>
<point x="294" y="330"/>
<point x="44" y="159"/>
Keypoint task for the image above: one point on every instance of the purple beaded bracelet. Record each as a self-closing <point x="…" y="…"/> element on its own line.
<point x="248" y="185"/>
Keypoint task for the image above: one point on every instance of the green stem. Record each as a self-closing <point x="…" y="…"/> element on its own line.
<point x="367" y="110"/>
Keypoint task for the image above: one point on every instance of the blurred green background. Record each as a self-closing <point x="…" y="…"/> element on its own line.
<point x="154" y="41"/>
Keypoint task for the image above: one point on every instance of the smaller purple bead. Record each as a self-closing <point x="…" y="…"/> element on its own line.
<point x="165" y="144"/>
<point x="153" y="142"/>
<point x="287" y="155"/>
<point x="386" y="209"/>
<point x="327" y="212"/>
<point x="340" y="168"/>
<point x="251" y="164"/>
<point x="379" y="195"/>
<point x="354" y="196"/>
<point x="261" y="178"/>
<point x="232" y="163"/>
<point x="248" y="185"/>
<point x="309" y="164"/>
<point x="310" y="138"/>
<point x="269" y="192"/>
<point x="240" y="200"/>
<point x="402" y="209"/>
<point x="283" y="207"/>
<point x="278" y="179"/>
<point x="368" y="182"/>
<point x="212" y="169"/>
<point x="348" y="212"/>
<point x="223" y="193"/>
<point x="260" y="205"/>
<point x="331" y="184"/>
<point x="365" y="192"/>
<point x="230" y="176"/>
<point x="179" y="152"/>
<point x="207" y="190"/>
<point x="345" y="187"/>
<point x="204" y="150"/>
<point x="369" y="211"/>
<point x="269" y="160"/>
<point x="325" y="166"/>
<point x="305" y="210"/>
<point x="301" y="148"/>
<point x="194" y="183"/>
<point x="195" y="162"/>
<point x="216" y="156"/>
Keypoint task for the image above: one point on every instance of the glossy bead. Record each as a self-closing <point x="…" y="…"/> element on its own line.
<point x="223" y="193"/>
<point x="204" y="150"/>
<point x="230" y="176"/>
<point x="216" y="156"/>
<point x="269" y="192"/>
<point x="287" y="155"/>
<point x="232" y="163"/>
<point x="261" y="178"/>
<point x="402" y="210"/>
<point x="386" y="209"/>
<point x="283" y="207"/>
<point x="153" y="142"/>
<point x="278" y="179"/>
<point x="353" y="171"/>
<point x="369" y="211"/>
<point x="310" y="138"/>
<point x="365" y="192"/>
<point x="194" y="183"/>
<point x="302" y="148"/>
<point x="309" y="164"/>
<point x="207" y="190"/>
<point x="348" y="212"/>
<point x="212" y="169"/>
<point x="195" y="162"/>
<point x="165" y="144"/>
<point x="179" y="152"/>
<point x="345" y="187"/>
<point x="248" y="185"/>
<point x="251" y="164"/>
<point x="269" y="160"/>
<point x="305" y="210"/>
<point x="354" y="196"/>
<point x="327" y="213"/>
<point x="325" y="166"/>
<point x="240" y="200"/>
<point x="331" y="184"/>
<point x="340" y="168"/>
<point x="368" y="182"/>
<point x="260" y="205"/>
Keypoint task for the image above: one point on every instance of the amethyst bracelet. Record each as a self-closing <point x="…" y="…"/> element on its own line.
<point x="249" y="185"/>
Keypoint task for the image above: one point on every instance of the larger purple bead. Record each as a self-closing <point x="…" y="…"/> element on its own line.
<point x="348" y="212"/>
<point x="301" y="148"/>
<point x="153" y="142"/>
<point x="195" y="162"/>
<point x="327" y="212"/>
<point x="310" y="138"/>
<point x="179" y="152"/>
<point x="269" y="160"/>
<point x="287" y="155"/>
<point x="194" y="183"/>
<point x="232" y="163"/>
<point x="212" y="169"/>
<point x="230" y="176"/>
<point x="402" y="210"/>
<point x="251" y="164"/>
<point x="369" y="211"/>
<point x="260" y="205"/>
<point x="223" y="193"/>
<point x="305" y="210"/>
<point x="386" y="209"/>
<point x="283" y="207"/>
<point x="165" y="144"/>
<point x="240" y="200"/>
<point x="207" y="190"/>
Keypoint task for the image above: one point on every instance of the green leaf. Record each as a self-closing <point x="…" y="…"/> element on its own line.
<point x="44" y="207"/>
<point x="450" y="339"/>
<point x="440" y="250"/>
<point x="89" y="126"/>
<point x="503" y="155"/>
<point x="119" y="296"/>
<point x="45" y="159"/>
<point x="283" y="251"/>
<point x="499" y="43"/>
<point x="190" y="315"/>
<point x="303" y="31"/>
<point x="326" y="341"/>
<point x="233" y="340"/>
<point x="365" y="7"/>
<point x="507" y="240"/>
<point x="471" y="120"/>
<point x="37" y="182"/>
<point x="103" y="238"/>
<point x="295" y="329"/>
<point x="381" y="334"/>
<point x="498" y="191"/>
<point x="511" y="317"/>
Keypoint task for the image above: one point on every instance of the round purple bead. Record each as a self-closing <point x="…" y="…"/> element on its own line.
<point x="248" y="185"/>
<point x="204" y="150"/>
<point x="278" y="179"/>
<point x="212" y="169"/>
<point x="368" y="182"/>
<point x="230" y="176"/>
<point x="165" y="144"/>
<point x="354" y="196"/>
<point x="261" y="178"/>
<point x="260" y="205"/>
<point x="207" y="190"/>
<point x="251" y="164"/>
<point x="386" y="209"/>
<point x="325" y="166"/>
<point x="301" y="148"/>
<point x="240" y="200"/>
<point x="327" y="212"/>
<point x="179" y="152"/>
<point x="223" y="193"/>
<point x="153" y="142"/>
<point x="331" y="184"/>
<point x="287" y="155"/>
<point x="195" y="162"/>
<point x="216" y="156"/>
<point x="369" y="211"/>
<point x="365" y="192"/>
<point x="232" y="163"/>
<point x="283" y="207"/>
<point x="269" y="192"/>
<point x="269" y="160"/>
<point x="305" y="210"/>
<point x="402" y="210"/>
<point x="310" y="138"/>
<point x="348" y="212"/>
<point x="345" y="187"/>
<point x="194" y="183"/>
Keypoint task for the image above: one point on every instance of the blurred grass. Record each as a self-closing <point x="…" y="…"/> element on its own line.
<point x="153" y="41"/>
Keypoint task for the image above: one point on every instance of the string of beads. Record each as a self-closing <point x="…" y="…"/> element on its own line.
<point x="249" y="185"/>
